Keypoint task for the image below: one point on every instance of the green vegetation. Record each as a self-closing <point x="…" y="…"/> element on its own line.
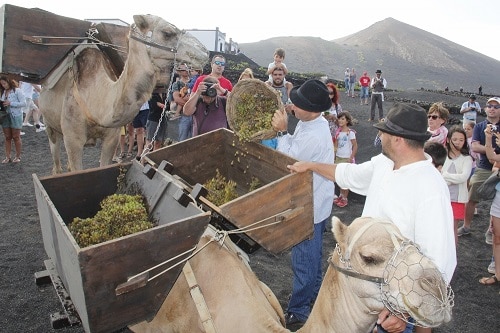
<point x="120" y="215"/>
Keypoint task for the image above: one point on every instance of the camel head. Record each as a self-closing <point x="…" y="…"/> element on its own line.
<point x="387" y="269"/>
<point x="167" y="44"/>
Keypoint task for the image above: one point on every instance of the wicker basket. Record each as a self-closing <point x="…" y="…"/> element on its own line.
<point x="250" y="108"/>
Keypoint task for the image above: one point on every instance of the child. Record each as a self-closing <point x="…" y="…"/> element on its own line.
<point x="346" y="147"/>
<point x="279" y="56"/>
<point x="437" y="152"/>
<point x="456" y="171"/>
<point x="469" y="129"/>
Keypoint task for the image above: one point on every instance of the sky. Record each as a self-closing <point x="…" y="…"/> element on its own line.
<point x="473" y="24"/>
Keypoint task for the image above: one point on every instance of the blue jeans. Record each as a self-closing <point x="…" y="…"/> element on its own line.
<point x="185" y="127"/>
<point x="364" y="92"/>
<point x="307" y="276"/>
<point x="408" y="329"/>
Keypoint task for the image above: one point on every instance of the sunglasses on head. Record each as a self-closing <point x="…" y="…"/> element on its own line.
<point x="432" y="116"/>
<point x="493" y="106"/>
<point x="219" y="63"/>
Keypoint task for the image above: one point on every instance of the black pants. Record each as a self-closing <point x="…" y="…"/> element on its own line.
<point x="376" y="100"/>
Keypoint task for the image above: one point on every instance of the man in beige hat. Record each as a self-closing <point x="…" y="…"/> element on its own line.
<point x="402" y="185"/>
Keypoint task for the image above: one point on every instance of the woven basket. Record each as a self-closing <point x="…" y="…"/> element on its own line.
<point x="250" y="108"/>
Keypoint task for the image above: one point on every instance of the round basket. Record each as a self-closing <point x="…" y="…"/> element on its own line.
<point x="250" y="108"/>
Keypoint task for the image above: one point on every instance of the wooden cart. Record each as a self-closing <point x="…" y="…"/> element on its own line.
<point x="277" y="215"/>
<point x="115" y="283"/>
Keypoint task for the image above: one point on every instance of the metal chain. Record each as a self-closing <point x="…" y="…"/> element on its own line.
<point x="149" y="146"/>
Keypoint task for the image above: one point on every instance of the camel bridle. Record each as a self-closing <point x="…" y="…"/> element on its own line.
<point x="392" y="303"/>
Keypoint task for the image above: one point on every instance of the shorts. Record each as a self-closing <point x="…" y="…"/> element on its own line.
<point x="151" y="129"/>
<point x="458" y="210"/>
<point x="15" y="122"/>
<point x="141" y="119"/>
<point x="495" y="206"/>
<point x="477" y="179"/>
<point x="342" y="160"/>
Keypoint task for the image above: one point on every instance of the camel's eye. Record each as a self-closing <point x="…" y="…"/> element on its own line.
<point x="370" y="260"/>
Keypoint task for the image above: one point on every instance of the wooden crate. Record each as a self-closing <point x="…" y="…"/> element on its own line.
<point x="283" y="196"/>
<point x="29" y="60"/>
<point x="96" y="277"/>
<point x="25" y="57"/>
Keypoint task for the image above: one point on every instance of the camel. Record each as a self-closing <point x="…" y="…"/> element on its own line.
<point x="373" y="267"/>
<point x="89" y="102"/>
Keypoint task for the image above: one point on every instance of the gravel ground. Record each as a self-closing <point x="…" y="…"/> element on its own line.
<point x="25" y="307"/>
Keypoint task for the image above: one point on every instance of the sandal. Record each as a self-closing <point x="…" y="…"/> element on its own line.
<point x="16" y="160"/>
<point x="6" y="160"/>
<point x="489" y="281"/>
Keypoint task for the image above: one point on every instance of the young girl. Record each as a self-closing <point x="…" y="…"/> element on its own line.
<point x="346" y="147"/>
<point x="456" y="171"/>
<point x="469" y="129"/>
<point x="437" y="117"/>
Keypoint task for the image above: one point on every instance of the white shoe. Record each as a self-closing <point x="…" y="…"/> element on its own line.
<point x="40" y="127"/>
<point x="28" y="124"/>
<point x="22" y="133"/>
<point x="491" y="267"/>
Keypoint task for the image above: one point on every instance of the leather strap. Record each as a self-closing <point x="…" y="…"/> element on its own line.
<point x="199" y="300"/>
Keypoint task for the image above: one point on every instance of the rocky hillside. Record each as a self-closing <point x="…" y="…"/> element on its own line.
<point x="409" y="57"/>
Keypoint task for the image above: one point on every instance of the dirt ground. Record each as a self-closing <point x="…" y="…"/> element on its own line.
<point x="25" y="307"/>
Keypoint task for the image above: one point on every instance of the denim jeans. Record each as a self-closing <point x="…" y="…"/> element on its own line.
<point x="307" y="276"/>
<point x="408" y="329"/>
<point x="185" y="127"/>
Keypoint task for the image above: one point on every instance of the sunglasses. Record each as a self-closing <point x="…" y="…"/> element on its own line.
<point x="497" y="106"/>
<point x="434" y="117"/>
<point x="220" y="63"/>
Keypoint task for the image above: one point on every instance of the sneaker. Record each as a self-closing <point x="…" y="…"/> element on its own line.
<point x="336" y="199"/>
<point x="463" y="231"/>
<point x="116" y="159"/>
<point x="40" y="128"/>
<point x="23" y="133"/>
<point x="28" y="124"/>
<point x="488" y="236"/>
<point x="342" y="202"/>
<point x="491" y="266"/>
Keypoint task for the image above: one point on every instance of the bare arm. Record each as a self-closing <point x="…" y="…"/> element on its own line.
<point x="190" y="106"/>
<point x="324" y="169"/>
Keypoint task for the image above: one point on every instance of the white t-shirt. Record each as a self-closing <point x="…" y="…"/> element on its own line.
<point x="415" y="198"/>
<point x="344" y="143"/>
<point x="470" y="115"/>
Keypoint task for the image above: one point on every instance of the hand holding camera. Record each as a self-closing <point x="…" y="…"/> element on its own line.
<point x="209" y="89"/>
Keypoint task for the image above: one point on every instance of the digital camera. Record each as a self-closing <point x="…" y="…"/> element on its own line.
<point x="494" y="128"/>
<point x="210" y="92"/>
<point x="2" y="106"/>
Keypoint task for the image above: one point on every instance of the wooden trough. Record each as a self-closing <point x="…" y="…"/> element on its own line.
<point x="281" y="210"/>
<point x="98" y="277"/>
<point x="37" y="45"/>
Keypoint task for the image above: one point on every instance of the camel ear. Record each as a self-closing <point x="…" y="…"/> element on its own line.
<point x="339" y="229"/>
<point x="141" y="22"/>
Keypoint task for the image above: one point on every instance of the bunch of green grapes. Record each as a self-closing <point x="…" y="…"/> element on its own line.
<point x="120" y="215"/>
<point x="254" y="113"/>
<point x="220" y="190"/>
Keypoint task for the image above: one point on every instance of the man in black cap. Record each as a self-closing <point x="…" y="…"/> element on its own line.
<point x="402" y="185"/>
<point x="311" y="141"/>
<point x="378" y="85"/>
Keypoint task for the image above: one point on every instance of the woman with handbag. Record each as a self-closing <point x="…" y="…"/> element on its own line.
<point x="14" y="101"/>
